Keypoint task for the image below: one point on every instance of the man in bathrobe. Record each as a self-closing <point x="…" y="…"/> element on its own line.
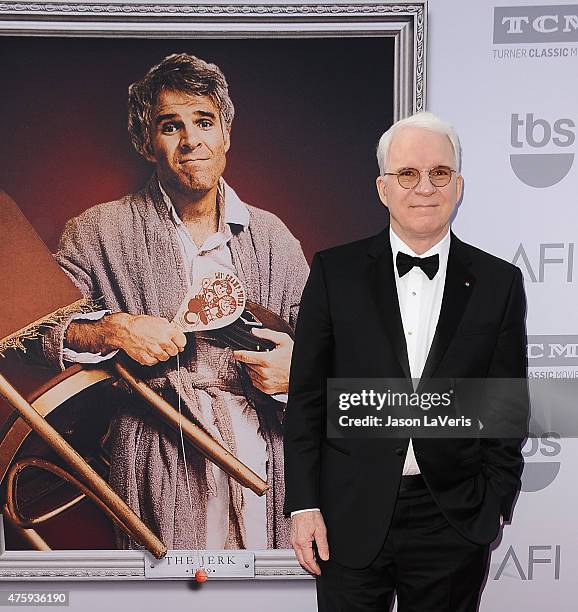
<point x="140" y="256"/>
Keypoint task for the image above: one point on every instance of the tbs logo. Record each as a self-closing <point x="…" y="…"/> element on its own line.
<point x="541" y="461"/>
<point x="536" y="168"/>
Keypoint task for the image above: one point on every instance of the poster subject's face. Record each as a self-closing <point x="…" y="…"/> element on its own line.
<point x="188" y="142"/>
<point x="423" y="211"/>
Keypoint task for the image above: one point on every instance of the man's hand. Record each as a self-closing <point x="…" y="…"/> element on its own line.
<point x="306" y="528"/>
<point x="145" y="339"/>
<point x="269" y="370"/>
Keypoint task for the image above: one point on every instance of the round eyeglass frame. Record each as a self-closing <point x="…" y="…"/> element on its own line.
<point x="418" y="178"/>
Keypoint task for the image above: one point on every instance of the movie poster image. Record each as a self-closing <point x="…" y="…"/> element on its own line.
<point x="294" y="172"/>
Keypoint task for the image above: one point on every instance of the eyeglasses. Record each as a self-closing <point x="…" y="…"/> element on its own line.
<point x="408" y="178"/>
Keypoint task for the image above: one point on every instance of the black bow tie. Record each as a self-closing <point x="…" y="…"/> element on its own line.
<point x="429" y="265"/>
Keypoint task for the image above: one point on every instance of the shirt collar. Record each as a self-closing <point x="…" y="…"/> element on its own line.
<point x="442" y="248"/>
<point x="234" y="209"/>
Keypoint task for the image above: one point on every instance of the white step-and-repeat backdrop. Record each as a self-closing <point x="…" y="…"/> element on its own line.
<point x="505" y="74"/>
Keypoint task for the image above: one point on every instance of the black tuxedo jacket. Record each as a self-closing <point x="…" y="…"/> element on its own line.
<point x="350" y="326"/>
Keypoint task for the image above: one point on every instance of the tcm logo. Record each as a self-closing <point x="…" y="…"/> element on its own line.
<point x="540" y="464"/>
<point x="535" y="24"/>
<point x="535" y="563"/>
<point x="552" y="351"/>
<point x="551" y="261"/>
<point x="538" y="168"/>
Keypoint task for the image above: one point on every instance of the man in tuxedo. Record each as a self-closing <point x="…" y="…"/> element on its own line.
<point x="414" y="517"/>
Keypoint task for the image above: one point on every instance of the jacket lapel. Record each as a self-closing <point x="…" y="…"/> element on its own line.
<point x="458" y="288"/>
<point x="384" y="291"/>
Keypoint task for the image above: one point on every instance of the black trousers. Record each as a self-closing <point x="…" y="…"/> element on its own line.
<point x="424" y="560"/>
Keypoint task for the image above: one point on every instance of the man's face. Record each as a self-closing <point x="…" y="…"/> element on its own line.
<point x="423" y="212"/>
<point x="188" y="143"/>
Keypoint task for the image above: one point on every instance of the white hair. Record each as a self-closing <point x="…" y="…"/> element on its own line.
<point x="426" y="121"/>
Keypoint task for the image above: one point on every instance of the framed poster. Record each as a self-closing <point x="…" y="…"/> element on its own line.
<point x="314" y="87"/>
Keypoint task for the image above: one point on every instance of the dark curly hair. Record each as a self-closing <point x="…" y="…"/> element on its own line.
<point x="179" y="72"/>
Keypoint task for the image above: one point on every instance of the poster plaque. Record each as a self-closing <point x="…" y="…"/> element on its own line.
<point x="217" y="564"/>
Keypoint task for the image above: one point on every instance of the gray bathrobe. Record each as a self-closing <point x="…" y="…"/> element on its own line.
<point x="126" y="254"/>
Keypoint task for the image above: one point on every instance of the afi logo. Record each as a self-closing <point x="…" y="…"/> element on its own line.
<point x="535" y="168"/>
<point x="551" y="261"/>
<point x="521" y="564"/>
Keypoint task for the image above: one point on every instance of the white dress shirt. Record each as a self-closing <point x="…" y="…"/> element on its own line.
<point x="213" y="255"/>
<point x="420" y="302"/>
